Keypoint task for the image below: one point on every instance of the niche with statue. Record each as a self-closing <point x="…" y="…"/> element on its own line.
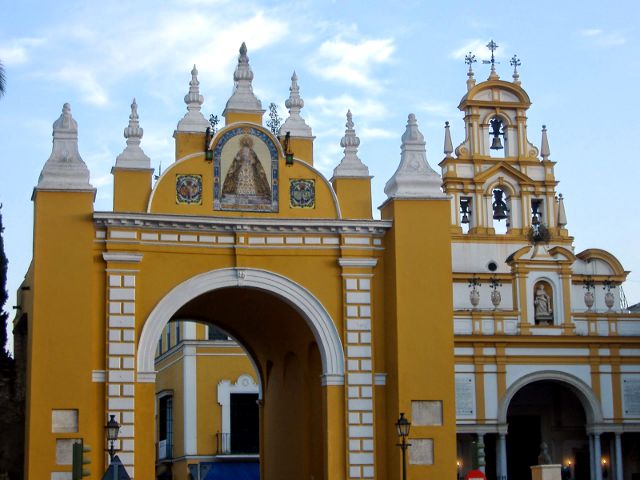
<point x="543" y="303"/>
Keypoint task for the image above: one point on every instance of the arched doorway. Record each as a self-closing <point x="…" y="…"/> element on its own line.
<point x="293" y="344"/>
<point x="547" y="411"/>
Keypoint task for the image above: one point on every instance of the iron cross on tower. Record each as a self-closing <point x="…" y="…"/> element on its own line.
<point x="493" y="46"/>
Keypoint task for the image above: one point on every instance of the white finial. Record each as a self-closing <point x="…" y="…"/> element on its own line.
<point x="243" y="97"/>
<point x="295" y="124"/>
<point x="193" y="121"/>
<point x="350" y="165"/>
<point x="562" y="215"/>
<point x="133" y="156"/>
<point x="448" y="146"/>
<point x="65" y="169"/>
<point x="544" y="145"/>
<point x="414" y="178"/>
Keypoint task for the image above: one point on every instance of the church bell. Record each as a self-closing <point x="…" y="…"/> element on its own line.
<point x="500" y="210"/>
<point x="496" y="127"/>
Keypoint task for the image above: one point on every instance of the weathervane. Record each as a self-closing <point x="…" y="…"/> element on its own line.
<point x="493" y="46"/>
<point x="470" y="59"/>
<point x="515" y="63"/>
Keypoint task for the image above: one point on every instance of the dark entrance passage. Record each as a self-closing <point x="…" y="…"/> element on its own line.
<point x="523" y="445"/>
<point x="547" y="411"/>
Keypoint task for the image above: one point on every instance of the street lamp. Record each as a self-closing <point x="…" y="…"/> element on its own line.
<point x="112" y="429"/>
<point x="402" y="426"/>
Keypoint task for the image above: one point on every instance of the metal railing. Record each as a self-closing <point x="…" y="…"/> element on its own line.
<point x="236" y="443"/>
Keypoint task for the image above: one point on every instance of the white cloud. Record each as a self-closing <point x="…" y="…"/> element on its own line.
<point x="603" y="39"/>
<point x="167" y="44"/>
<point x="17" y="52"/>
<point x="352" y="63"/>
<point x="85" y="81"/>
<point x="338" y="106"/>
<point x="375" y="132"/>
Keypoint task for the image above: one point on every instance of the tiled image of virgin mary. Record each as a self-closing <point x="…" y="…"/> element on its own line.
<point x="245" y="171"/>
<point x="246" y="177"/>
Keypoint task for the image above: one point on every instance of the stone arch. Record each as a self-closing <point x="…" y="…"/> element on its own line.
<point x="309" y="307"/>
<point x="592" y="408"/>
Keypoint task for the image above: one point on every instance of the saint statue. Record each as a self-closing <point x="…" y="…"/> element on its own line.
<point x="542" y="304"/>
<point x="246" y="176"/>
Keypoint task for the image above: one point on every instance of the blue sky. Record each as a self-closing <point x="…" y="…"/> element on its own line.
<point x="381" y="59"/>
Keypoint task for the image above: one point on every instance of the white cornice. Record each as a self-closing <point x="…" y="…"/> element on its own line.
<point x="122" y="257"/>
<point x="245" y="225"/>
<point x="357" y="262"/>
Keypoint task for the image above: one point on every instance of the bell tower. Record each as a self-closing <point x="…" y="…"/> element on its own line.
<point x="500" y="182"/>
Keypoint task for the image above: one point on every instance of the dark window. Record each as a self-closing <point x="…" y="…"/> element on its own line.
<point x="244" y="423"/>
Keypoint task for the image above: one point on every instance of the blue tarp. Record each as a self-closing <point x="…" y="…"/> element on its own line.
<point x="234" y="471"/>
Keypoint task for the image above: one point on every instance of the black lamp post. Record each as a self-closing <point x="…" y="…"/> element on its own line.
<point x="402" y="426"/>
<point x="112" y="429"/>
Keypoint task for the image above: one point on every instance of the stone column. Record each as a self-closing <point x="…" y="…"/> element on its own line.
<point x="481" y="456"/>
<point x="618" y="452"/>
<point x="592" y="470"/>
<point x="501" y="456"/>
<point x="597" y="454"/>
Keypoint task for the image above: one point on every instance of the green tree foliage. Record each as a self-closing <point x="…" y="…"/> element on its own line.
<point x="4" y="316"/>
<point x="3" y="80"/>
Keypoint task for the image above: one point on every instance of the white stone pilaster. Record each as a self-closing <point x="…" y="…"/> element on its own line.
<point x="359" y="379"/>
<point x="121" y="350"/>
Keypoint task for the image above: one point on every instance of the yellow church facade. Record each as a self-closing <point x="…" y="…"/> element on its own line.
<point x="244" y="309"/>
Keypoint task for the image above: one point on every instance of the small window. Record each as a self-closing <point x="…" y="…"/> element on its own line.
<point x="165" y="427"/>
<point x="216" y="333"/>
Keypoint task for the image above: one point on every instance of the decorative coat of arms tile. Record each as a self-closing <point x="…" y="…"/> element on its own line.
<point x="189" y="189"/>
<point x="302" y="193"/>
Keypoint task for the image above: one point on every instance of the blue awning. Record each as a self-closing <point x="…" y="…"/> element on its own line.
<point x="234" y="471"/>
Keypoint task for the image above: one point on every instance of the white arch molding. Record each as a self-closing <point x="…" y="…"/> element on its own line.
<point x="303" y="301"/>
<point x="590" y="403"/>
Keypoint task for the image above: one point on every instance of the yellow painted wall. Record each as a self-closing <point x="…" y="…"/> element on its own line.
<point x="65" y="344"/>
<point x="418" y="327"/>
<point x="131" y="189"/>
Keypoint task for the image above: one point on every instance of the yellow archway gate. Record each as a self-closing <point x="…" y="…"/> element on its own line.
<point x="243" y="215"/>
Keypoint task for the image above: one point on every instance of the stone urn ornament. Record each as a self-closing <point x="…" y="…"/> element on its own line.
<point x="474" y="294"/>
<point x="496" y="298"/>
<point x="609" y="297"/>
<point x="588" y="295"/>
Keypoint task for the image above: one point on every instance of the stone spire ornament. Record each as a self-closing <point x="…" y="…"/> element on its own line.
<point x="243" y="97"/>
<point x="350" y="165"/>
<point x="65" y="169"/>
<point x="414" y="178"/>
<point x="470" y="59"/>
<point x="295" y="124"/>
<point x="562" y="215"/>
<point x="544" y="145"/>
<point x="133" y="156"/>
<point x="448" y="146"/>
<point x="194" y="120"/>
